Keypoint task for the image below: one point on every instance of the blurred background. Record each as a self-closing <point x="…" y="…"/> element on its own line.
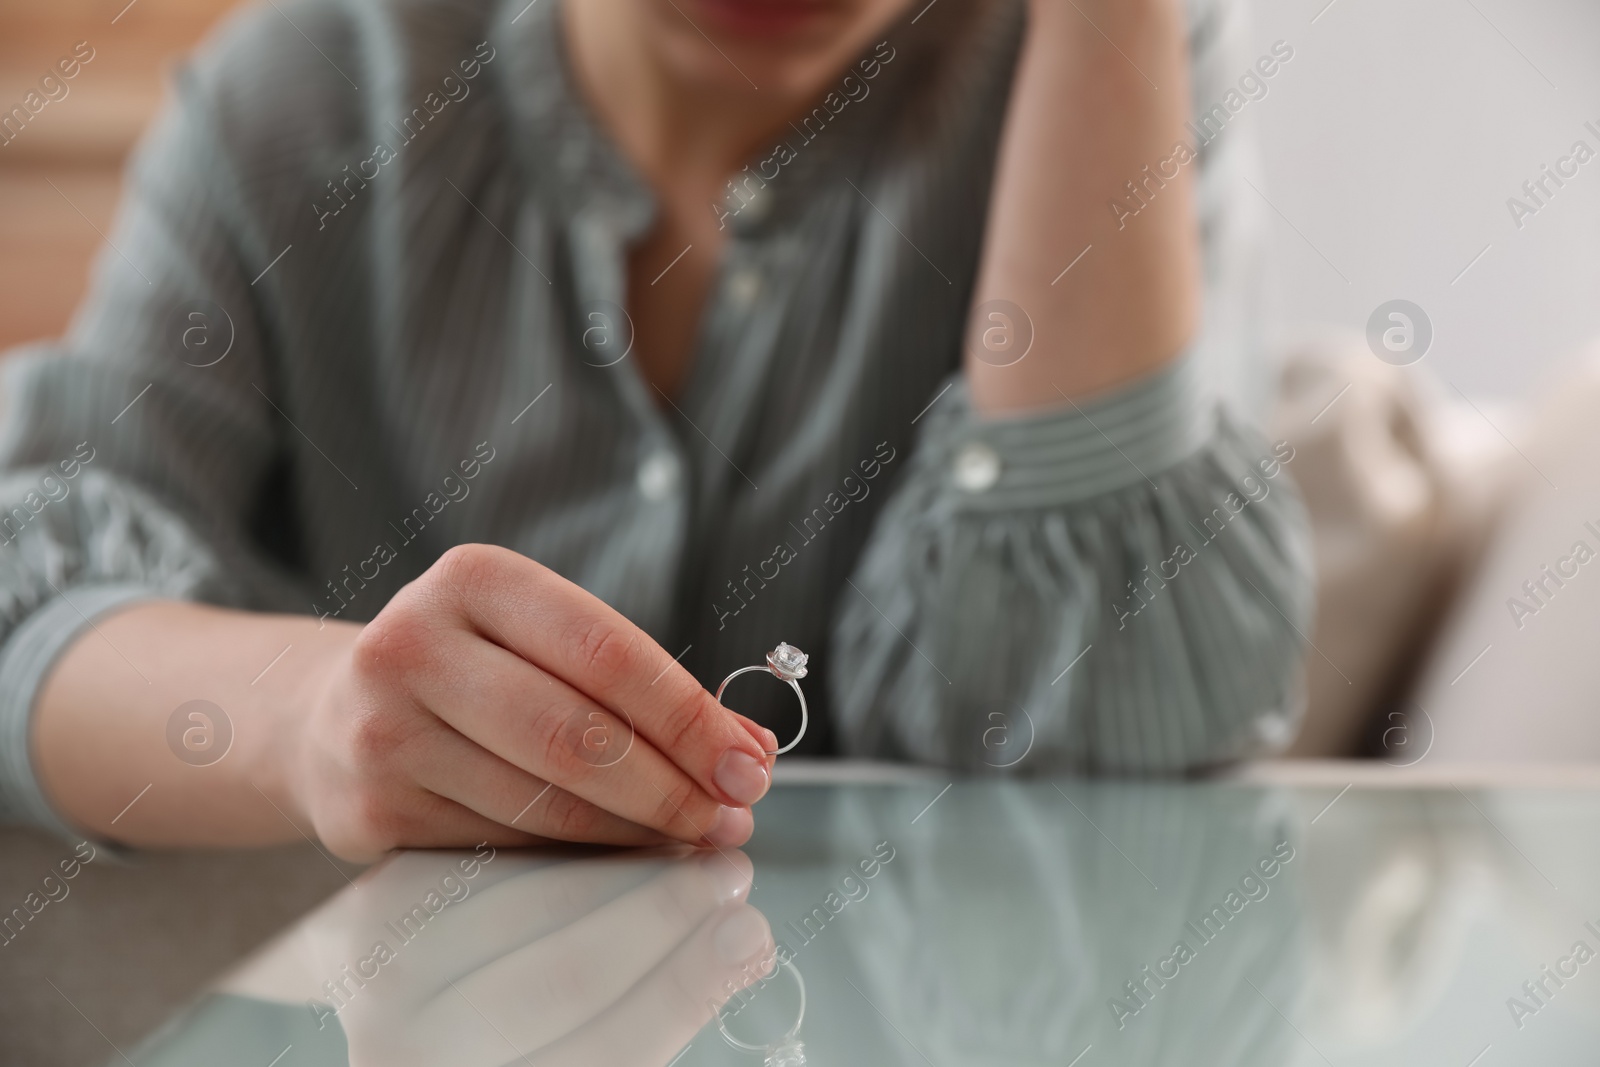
<point x="59" y="176"/>
<point x="1391" y="144"/>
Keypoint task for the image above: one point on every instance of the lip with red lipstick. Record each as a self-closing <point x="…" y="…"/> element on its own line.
<point x="761" y="18"/>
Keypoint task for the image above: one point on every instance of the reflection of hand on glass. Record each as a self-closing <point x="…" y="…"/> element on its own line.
<point x="616" y="959"/>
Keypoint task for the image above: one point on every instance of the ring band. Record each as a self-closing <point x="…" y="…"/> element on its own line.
<point x="787" y="664"/>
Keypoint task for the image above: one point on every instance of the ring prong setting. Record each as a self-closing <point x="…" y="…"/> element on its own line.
<point x="787" y="662"/>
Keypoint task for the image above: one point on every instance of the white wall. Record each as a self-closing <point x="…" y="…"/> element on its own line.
<point x="1392" y="142"/>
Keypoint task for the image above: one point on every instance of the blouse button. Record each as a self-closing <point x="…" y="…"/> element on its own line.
<point x="977" y="467"/>
<point x="744" y="285"/>
<point x="756" y="207"/>
<point x="658" y="476"/>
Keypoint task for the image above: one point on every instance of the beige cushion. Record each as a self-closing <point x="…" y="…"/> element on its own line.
<point x="1506" y="685"/>
<point x="1400" y="487"/>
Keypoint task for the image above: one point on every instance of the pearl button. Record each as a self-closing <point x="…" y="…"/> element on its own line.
<point x="658" y="476"/>
<point x="744" y="285"/>
<point x="977" y="467"/>
<point x="754" y="206"/>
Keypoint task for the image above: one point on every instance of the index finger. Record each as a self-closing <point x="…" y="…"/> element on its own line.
<point x="567" y="631"/>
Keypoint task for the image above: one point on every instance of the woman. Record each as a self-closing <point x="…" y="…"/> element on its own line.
<point x="666" y="299"/>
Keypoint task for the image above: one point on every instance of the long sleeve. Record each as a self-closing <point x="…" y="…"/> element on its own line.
<point x="1119" y="586"/>
<point x="134" y="449"/>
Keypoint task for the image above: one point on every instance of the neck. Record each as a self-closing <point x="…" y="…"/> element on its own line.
<point x="675" y="129"/>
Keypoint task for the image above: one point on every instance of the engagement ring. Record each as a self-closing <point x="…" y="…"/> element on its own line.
<point x="787" y="664"/>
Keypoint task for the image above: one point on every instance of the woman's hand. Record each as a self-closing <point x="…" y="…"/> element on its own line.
<point x="493" y="700"/>
<point x="490" y="700"/>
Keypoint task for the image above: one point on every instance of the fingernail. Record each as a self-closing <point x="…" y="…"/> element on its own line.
<point x="741" y="935"/>
<point x="731" y="828"/>
<point x="742" y="777"/>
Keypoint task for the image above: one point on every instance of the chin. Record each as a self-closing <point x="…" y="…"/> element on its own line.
<point x="781" y="45"/>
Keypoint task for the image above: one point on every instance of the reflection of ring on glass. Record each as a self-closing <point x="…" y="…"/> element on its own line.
<point x="788" y="1052"/>
<point x="788" y="664"/>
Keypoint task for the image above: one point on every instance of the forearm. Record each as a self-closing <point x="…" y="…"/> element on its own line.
<point x="1084" y="120"/>
<point x="101" y="725"/>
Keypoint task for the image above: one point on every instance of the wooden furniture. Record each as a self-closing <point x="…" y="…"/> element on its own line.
<point x="60" y="172"/>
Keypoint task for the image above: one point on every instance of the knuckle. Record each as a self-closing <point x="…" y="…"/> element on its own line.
<point x="689" y="718"/>
<point x="373" y="736"/>
<point x="674" y="809"/>
<point x="469" y="567"/>
<point x="569" y="818"/>
<point x="397" y="638"/>
<point x="603" y="649"/>
<point x="557" y="737"/>
<point x="566" y="740"/>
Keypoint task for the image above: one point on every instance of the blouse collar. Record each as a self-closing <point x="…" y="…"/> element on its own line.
<point x="563" y="151"/>
<point x="557" y="142"/>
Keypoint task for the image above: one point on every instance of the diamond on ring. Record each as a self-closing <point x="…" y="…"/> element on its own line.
<point x="787" y="662"/>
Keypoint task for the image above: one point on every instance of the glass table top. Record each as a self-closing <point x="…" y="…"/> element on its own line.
<point x="1069" y="923"/>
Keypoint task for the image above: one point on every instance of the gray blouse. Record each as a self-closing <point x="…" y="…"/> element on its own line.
<point x="364" y="302"/>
